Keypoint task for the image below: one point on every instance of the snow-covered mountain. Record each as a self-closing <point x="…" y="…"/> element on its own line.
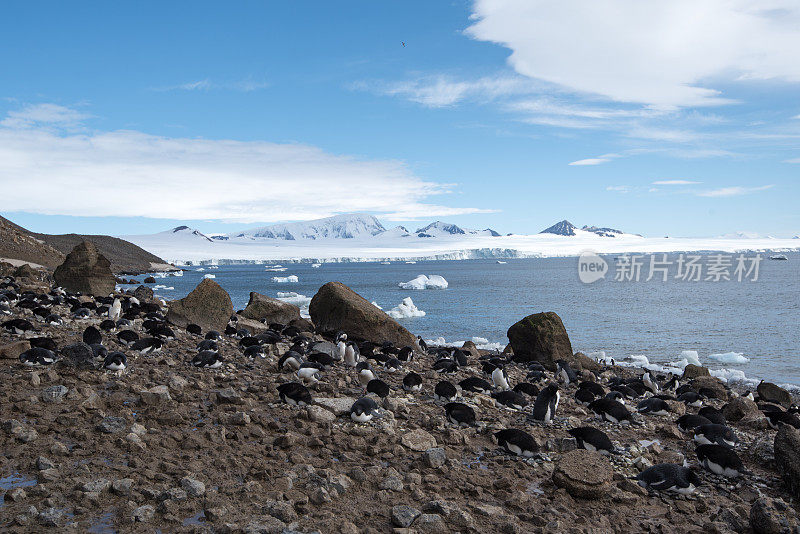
<point x="566" y="228"/>
<point x="349" y="226"/>
<point x="742" y="235"/>
<point x="185" y="233"/>
<point x="439" y="228"/>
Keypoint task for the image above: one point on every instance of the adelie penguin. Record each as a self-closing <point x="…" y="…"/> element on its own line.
<point x="363" y="410"/>
<point x="127" y="337"/>
<point x="37" y="356"/>
<point x="669" y="477"/>
<point x="412" y="382"/>
<point x="459" y="413"/>
<point x="500" y="379"/>
<point x="393" y="364"/>
<point x="147" y="345"/>
<point x="406" y="354"/>
<point x="422" y="344"/>
<point x="207" y="359"/>
<point x="351" y="354"/>
<point x="691" y="398"/>
<point x="255" y="351"/>
<point x="18" y="326"/>
<point x="776" y="418"/>
<point x="527" y="388"/>
<point x="720" y="460"/>
<point x="294" y="393"/>
<point x="309" y="372"/>
<point x="445" y="391"/>
<point x="592" y="439"/>
<point x="610" y="410"/>
<point x="565" y="372"/>
<point x="713" y="415"/>
<point x="365" y="373"/>
<point x="517" y="442"/>
<point x="653" y="406"/>
<point x="584" y="396"/>
<point x="194" y="329"/>
<point x="713" y="433"/>
<point x="650" y="383"/>
<point x="378" y="387"/>
<point x="544" y="409"/>
<point x="473" y="384"/>
<point x="510" y="399"/>
<point x="445" y="365"/>
<point x="115" y="361"/>
<point x="291" y="360"/>
<point x="688" y="422"/>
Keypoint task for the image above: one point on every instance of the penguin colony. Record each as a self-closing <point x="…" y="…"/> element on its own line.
<point x="121" y="330"/>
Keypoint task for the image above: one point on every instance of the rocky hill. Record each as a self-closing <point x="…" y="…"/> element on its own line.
<point x="49" y="250"/>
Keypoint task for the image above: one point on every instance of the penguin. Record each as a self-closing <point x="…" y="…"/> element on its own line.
<point x="18" y="326"/>
<point x="627" y="392"/>
<point x="535" y="375"/>
<point x="127" y="337"/>
<point x="207" y="359"/>
<point x="81" y="314"/>
<point x="365" y="373"/>
<point x="616" y="396"/>
<point x="653" y="406"/>
<point x="294" y="393"/>
<point x="242" y="333"/>
<point x="54" y="319"/>
<point x="544" y="409"/>
<point x="412" y="382"/>
<point x="309" y="372"/>
<point x="92" y="336"/>
<point x="565" y="372"/>
<point x="517" y="442"/>
<point x="445" y="365"/>
<point x="406" y="354"/>
<point x="445" y="391"/>
<point x="596" y="389"/>
<point x="592" y="439"/>
<point x="100" y="352"/>
<point x="291" y="360"/>
<point x="510" y="399"/>
<point x="322" y="358"/>
<point x="115" y="361"/>
<point x="107" y="325"/>
<point x="749" y="395"/>
<point x="459" y="414"/>
<point x="473" y="384"/>
<point x="713" y="415"/>
<point x="146" y="345"/>
<point x="584" y="396"/>
<point x="363" y="410"/>
<point x="341" y="346"/>
<point x="713" y="433"/>
<point x="672" y="384"/>
<point x="460" y="357"/>
<point x="255" y="351"/>
<point x="422" y="344"/>
<point x="37" y="356"/>
<point x="669" y="477"/>
<point x="691" y="398"/>
<point x="115" y="310"/>
<point x="650" y="383"/>
<point x="610" y="410"/>
<point x="208" y="344"/>
<point x="124" y="323"/>
<point x="350" y="354"/>
<point x="393" y="364"/>
<point x="378" y="387"/>
<point x="720" y="460"/>
<point x="690" y="421"/>
<point x="213" y="334"/>
<point x="776" y="418"/>
<point x="194" y="329"/>
<point x="500" y="379"/>
<point x="526" y="388"/>
<point x="43" y="342"/>
<point x="41" y="312"/>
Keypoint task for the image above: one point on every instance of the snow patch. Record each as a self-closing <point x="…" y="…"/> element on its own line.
<point x="405" y="309"/>
<point x="433" y="281"/>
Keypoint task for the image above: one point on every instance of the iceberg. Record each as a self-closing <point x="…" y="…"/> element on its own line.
<point x="729" y="357"/>
<point x="405" y="309"/>
<point x="210" y="276"/>
<point x="691" y="357"/>
<point x="291" y="279"/>
<point x="433" y="281"/>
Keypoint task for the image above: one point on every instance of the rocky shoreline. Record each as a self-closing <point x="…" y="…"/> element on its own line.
<point x="171" y="446"/>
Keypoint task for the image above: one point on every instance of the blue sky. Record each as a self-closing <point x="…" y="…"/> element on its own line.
<point x="679" y="119"/>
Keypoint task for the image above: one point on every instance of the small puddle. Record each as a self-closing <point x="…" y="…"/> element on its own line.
<point x="103" y="525"/>
<point x="14" y="481"/>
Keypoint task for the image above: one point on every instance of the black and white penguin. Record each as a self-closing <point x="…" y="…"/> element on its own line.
<point x="255" y="351"/>
<point x="713" y="415"/>
<point x="82" y="314"/>
<point x="584" y="396"/>
<point x="213" y="334"/>
<point x="294" y="393"/>
<point x="669" y="477"/>
<point x="100" y="352"/>
<point x="107" y="325"/>
<point x="511" y="399"/>
<point x="713" y="433"/>
<point x="445" y="365"/>
<point x="43" y="342"/>
<point x="459" y="413"/>
<point x="54" y="319"/>
<point x="207" y="359"/>
<point x="474" y="384"/>
<point x="460" y="357"/>
<point x="544" y="409"/>
<point x="378" y="387"/>
<point x="290" y="361"/>
<point x="565" y="373"/>
<point x="653" y="406"/>
<point x="650" y="383"/>
<point x="535" y="375"/>
<point x="749" y="395"/>
<point x="322" y="358"/>
<point x="592" y="439"/>
<point x="147" y="345"/>
<point x="527" y="388"/>
<point x="37" y="356"/>
<point x="412" y="382"/>
<point x="393" y="364"/>
<point x="596" y="389"/>
<point x="194" y="329"/>
<point x="115" y="361"/>
<point x="672" y="384"/>
<point x="365" y="373"/>
<point x="115" y="310"/>
<point x="124" y="323"/>
<point x="690" y="421"/>
<point x="18" y="326"/>
<point x="500" y="378"/>
<point x="627" y="392"/>
<point x="351" y="354"/>
<point x="445" y="391"/>
<point x="127" y="337"/>
<point x="776" y="418"/>
<point x="363" y="410"/>
<point x="691" y="398"/>
<point x="610" y="410"/>
<point x="720" y="460"/>
<point x="208" y="344"/>
<point x="406" y="354"/>
<point x="616" y="396"/>
<point x="517" y="442"/>
<point x="422" y="344"/>
<point x="309" y="372"/>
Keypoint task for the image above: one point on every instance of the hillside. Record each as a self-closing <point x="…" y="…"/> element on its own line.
<point x="49" y="250"/>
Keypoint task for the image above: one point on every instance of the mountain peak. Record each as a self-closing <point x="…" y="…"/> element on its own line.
<point x="561" y="228"/>
<point x="347" y="226"/>
<point x="443" y="227"/>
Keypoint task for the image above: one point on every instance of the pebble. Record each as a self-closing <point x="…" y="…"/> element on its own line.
<point x="112" y="425"/>
<point x="403" y="516"/>
<point x="193" y="487"/>
<point x="143" y="514"/>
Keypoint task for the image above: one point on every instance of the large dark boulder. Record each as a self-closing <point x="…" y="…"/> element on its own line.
<point x="540" y="337"/>
<point x="337" y="307"/>
<point x="85" y="271"/>
<point x="770" y="392"/>
<point x="584" y="474"/>
<point x="693" y="371"/>
<point x="787" y="457"/>
<point x="710" y="384"/>
<point x="143" y="293"/>
<point x="263" y="308"/>
<point x="208" y="305"/>
<point x="739" y="408"/>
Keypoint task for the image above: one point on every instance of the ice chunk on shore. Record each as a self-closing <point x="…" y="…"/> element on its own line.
<point x="433" y="281"/>
<point x="210" y="276"/>
<point x="291" y="279"/>
<point x="376" y="305"/>
<point x="691" y="357"/>
<point x="729" y="357"/>
<point x="316" y="265"/>
<point x="480" y="342"/>
<point x="405" y="310"/>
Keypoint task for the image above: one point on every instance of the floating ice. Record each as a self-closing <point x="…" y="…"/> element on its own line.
<point x="405" y="310"/>
<point x="291" y="279"/>
<point x="276" y="269"/>
<point x="691" y="357"/>
<point x="210" y="276"/>
<point x="201" y="269"/>
<point x="433" y="281"/>
<point x="316" y="265"/>
<point x="480" y="340"/>
<point x="160" y="286"/>
<point x="729" y="357"/>
<point x="301" y="301"/>
<point x="488" y="345"/>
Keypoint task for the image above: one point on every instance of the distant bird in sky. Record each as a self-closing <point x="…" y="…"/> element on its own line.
<point x="403" y="43"/>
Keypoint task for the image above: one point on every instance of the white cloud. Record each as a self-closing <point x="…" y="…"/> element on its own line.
<point x="590" y="161"/>
<point x="43" y="115"/>
<point x="660" y="53"/>
<point x="675" y="182"/>
<point x="129" y="173"/>
<point x="443" y="91"/>
<point x="619" y="188"/>
<point x="245" y="85"/>
<point x="733" y="191"/>
<point x="795" y="160"/>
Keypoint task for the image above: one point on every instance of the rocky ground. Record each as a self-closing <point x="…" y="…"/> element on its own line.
<point x="168" y="447"/>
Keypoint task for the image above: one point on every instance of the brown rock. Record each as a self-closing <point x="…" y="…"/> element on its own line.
<point x="739" y="408"/>
<point x="582" y="362"/>
<point x="263" y="308"/>
<point x="540" y="337"/>
<point x="85" y="271"/>
<point x="713" y="383"/>
<point x="770" y="392"/>
<point x="470" y="348"/>
<point x="143" y="293"/>
<point x="787" y="457"/>
<point x="693" y="371"/>
<point x="337" y="307"/>
<point x="208" y="305"/>
<point x="26" y="271"/>
<point x="13" y="350"/>
<point x="772" y="516"/>
<point x="584" y="474"/>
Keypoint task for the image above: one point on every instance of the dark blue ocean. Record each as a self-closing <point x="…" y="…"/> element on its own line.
<point x="758" y="320"/>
